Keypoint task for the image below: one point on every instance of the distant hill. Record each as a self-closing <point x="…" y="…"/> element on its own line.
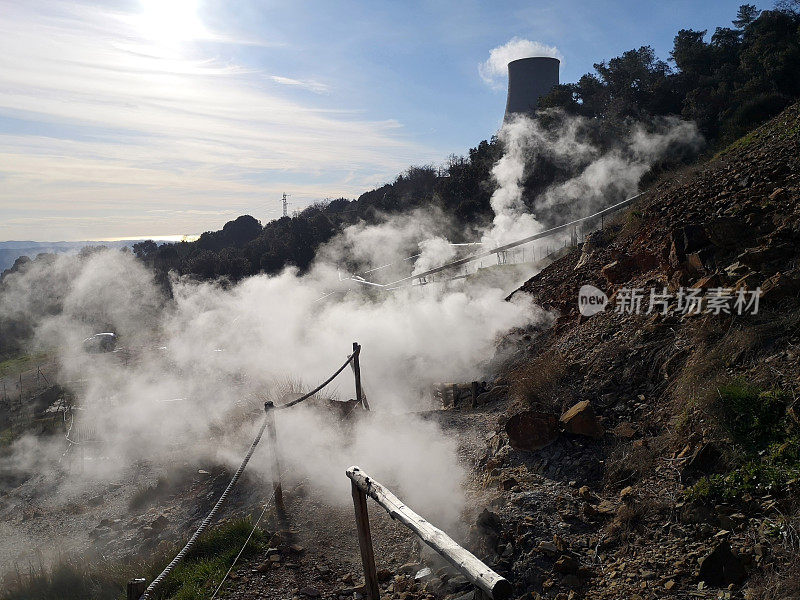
<point x="10" y="251"/>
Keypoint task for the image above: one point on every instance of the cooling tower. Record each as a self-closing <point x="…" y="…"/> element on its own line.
<point x="528" y="80"/>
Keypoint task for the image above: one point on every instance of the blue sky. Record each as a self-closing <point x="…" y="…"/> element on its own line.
<point x="164" y="117"/>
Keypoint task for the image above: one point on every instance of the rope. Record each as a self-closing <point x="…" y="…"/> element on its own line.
<point x="204" y="525"/>
<point x="320" y="386"/>
<point x="247" y="541"/>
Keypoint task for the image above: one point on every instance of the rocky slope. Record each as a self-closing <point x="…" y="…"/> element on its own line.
<point x="676" y="476"/>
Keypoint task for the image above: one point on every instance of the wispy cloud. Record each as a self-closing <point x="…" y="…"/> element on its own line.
<point x="162" y="126"/>
<point x="312" y="86"/>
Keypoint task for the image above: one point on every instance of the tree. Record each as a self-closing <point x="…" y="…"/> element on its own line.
<point x="242" y="230"/>
<point x="789" y="6"/>
<point x="144" y="250"/>
<point x="746" y="14"/>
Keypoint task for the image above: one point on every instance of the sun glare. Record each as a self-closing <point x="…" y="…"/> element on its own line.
<point x="171" y="21"/>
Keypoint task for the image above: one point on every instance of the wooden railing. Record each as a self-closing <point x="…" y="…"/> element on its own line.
<point x="486" y="581"/>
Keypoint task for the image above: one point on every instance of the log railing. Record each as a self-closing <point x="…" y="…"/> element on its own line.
<point x="486" y="581"/>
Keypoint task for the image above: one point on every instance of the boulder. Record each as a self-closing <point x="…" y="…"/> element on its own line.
<point x="779" y="286"/>
<point x="736" y="270"/>
<point x="725" y="232"/>
<point x="384" y="575"/>
<point x="566" y="565"/>
<point x="624" y="430"/>
<point x="749" y="282"/>
<point x="702" y="260"/>
<point x="529" y="430"/>
<point x="618" y="271"/>
<point x="581" y="420"/>
<point x="709" y="281"/>
<point x="593" y="241"/>
<point x="721" y="567"/>
<point x="755" y="258"/>
<point x="489" y="522"/>
<point x="779" y="195"/>
<point x="705" y="461"/>
<point x="498" y="392"/>
<point x="686" y="240"/>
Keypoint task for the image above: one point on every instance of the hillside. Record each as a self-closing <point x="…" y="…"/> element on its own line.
<point x="699" y="455"/>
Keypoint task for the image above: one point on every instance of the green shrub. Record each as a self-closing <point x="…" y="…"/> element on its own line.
<point x="766" y="449"/>
<point x="753" y="418"/>
<point x="769" y="473"/>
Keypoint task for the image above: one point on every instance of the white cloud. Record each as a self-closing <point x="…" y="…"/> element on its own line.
<point x="310" y="85"/>
<point x="123" y="123"/>
<point x="495" y="68"/>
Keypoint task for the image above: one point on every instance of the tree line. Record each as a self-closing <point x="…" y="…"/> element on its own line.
<point x="727" y="82"/>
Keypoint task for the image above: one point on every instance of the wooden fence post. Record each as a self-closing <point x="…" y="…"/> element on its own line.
<point x="357" y="372"/>
<point x="272" y="434"/>
<point x="136" y="588"/>
<point x="365" y="542"/>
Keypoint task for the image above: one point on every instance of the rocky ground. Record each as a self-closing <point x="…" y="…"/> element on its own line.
<point x="589" y="452"/>
<point x="645" y="428"/>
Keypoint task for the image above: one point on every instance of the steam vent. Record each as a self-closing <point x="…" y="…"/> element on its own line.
<point x="528" y="80"/>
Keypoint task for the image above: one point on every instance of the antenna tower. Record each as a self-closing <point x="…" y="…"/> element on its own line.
<point x="285" y="206"/>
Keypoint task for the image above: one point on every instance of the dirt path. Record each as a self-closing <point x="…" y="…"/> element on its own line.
<point x="326" y="562"/>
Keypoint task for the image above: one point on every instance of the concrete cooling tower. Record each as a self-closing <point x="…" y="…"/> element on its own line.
<point x="528" y="80"/>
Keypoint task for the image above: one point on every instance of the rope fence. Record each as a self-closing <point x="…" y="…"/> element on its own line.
<point x="136" y="589"/>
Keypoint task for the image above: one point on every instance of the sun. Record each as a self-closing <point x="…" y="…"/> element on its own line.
<point x="171" y="21"/>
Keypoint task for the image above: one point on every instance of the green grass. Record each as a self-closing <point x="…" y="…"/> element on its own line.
<point x="198" y="576"/>
<point x="765" y="441"/>
<point x="7" y="437"/>
<point x="742" y="143"/>
<point x="22" y="363"/>
<point x="93" y="578"/>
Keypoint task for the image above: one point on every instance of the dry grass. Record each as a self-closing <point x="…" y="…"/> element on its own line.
<point x="782" y="580"/>
<point x="537" y="384"/>
<point x="631" y="520"/>
<point x="630" y="463"/>
<point x="715" y="351"/>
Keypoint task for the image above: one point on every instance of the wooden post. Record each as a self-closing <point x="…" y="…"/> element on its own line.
<point x="272" y="434"/>
<point x="136" y="588"/>
<point x="357" y="372"/>
<point x="365" y="542"/>
<point x="481" y="576"/>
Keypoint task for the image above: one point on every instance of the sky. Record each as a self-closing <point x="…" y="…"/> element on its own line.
<point x="155" y="118"/>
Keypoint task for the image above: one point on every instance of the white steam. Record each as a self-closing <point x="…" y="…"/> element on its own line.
<point x="598" y="177"/>
<point x="494" y="69"/>
<point x="200" y="363"/>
